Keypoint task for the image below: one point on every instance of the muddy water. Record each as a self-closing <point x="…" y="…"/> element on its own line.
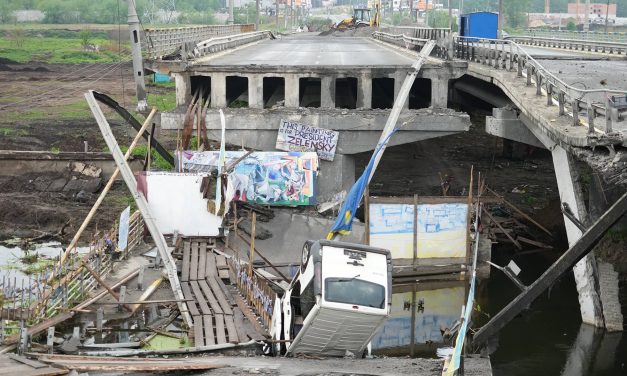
<point x="548" y="340"/>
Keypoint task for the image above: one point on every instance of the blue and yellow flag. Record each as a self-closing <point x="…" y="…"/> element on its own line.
<point x="344" y="221"/>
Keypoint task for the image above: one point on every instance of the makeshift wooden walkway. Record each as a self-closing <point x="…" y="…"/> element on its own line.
<point x="213" y="308"/>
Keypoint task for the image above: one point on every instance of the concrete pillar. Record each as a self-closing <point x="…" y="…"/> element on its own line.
<point x="255" y="91"/>
<point x="218" y="90"/>
<point x="439" y="92"/>
<point x="585" y="271"/>
<point x="399" y="78"/>
<point x="364" y="91"/>
<point x="183" y="88"/>
<point x="327" y="92"/>
<point x="335" y="176"/>
<point x="291" y="90"/>
<point x="138" y="62"/>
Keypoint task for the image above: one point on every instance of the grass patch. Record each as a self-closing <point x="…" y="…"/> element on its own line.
<point x="8" y="132"/>
<point x="163" y="102"/>
<point x="156" y="161"/>
<point x="55" y="50"/>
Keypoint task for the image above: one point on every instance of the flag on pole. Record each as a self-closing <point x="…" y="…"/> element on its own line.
<point x="344" y="221"/>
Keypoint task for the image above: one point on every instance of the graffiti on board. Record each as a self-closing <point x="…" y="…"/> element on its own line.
<point x="267" y="178"/>
<point x="441" y="229"/>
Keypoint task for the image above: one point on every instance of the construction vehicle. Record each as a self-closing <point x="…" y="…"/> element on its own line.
<point x="361" y="18"/>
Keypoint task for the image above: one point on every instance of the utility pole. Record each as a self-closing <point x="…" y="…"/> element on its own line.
<point x="257" y="11"/>
<point x="607" y="12"/>
<point x="499" y="32"/>
<point x="547" y="6"/>
<point x="586" y="24"/>
<point x="450" y="15"/>
<point x="138" y="63"/>
<point x="276" y="14"/>
<point x="230" y="20"/>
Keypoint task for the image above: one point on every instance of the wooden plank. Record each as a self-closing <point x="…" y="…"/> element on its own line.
<point x="185" y="267"/>
<point x="202" y="260"/>
<point x="31" y="363"/>
<point x="240" y="325"/>
<point x="252" y="319"/>
<point x="199" y="335"/>
<point x="191" y="305"/>
<point x="213" y="302"/>
<point x="221" y="262"/>
<point x="230" y="328"/>
<point x="211" y="264"/>
<point x="220" y="333"/>
<point x="200" y="298"/>
<point x="219" y="294"/>
<point x="193" y="263"/>
<point x="209" y="336"/>
<point x="223" y="273"/>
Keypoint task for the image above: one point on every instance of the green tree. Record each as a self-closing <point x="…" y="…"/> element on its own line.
<point x="515" y="12"/>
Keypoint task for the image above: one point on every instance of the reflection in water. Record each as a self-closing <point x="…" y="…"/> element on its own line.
<point x="428" y="308"/>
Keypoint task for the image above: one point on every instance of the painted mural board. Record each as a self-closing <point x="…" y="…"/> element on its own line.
<point x="441" y="230"/>
<point x="123" y="228"/>
<point x="267" y="178"/>
<point x="294" y="136"/>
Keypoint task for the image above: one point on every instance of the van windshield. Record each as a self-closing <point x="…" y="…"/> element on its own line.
<point x="354" y="291"/>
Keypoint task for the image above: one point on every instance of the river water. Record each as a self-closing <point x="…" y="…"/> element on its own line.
<point x="548" y="340"/>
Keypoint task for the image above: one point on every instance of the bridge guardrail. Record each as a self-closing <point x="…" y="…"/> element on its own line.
<point x="419" y="32"/>
<point x="401" y="40"/>
<point x="612" y="48"/>
<point x="161" y="42"/>
<point x="218" y="44"/>
<point x="509" y="55"/>
<point x="579" y="35"/>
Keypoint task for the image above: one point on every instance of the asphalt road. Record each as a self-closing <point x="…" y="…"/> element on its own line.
<point x="308" y="50"/>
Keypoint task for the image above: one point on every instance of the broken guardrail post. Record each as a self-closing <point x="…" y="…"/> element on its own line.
<point x="50" y="339"/>
<point x="590" y="111"/>
<point x="99" y="318"/>
<point x="140" y="278"/>
<point x="23" y="344"/>
<point x="122" y="297"/>
<point x="608" y="116"/>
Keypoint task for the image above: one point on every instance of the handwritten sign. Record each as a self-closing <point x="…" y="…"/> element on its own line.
<point x="300" y="137"/>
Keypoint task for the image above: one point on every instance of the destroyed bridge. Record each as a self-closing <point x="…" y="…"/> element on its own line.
<point x="545" y="92"/>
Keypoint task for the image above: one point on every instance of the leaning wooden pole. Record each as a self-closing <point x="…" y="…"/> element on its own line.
<point x="106" y="189"/>
<point x="142" y="204"/>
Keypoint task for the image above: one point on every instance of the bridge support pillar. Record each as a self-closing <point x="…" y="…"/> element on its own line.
<point x="291" y="91"/>
<point x="585" y="271"/>
<point x="183" y="88"/>
<point x="327" y="92"/>
<point x="439" y="92"/>
<point x="335" y="176"/>
<point x="255" y="91"/>
<point x="364" y="91"/>
<point x="569" y="187"/>
<point x="218" y="90"/>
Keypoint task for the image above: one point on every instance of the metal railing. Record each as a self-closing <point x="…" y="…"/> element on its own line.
<point x="579" y="35"/>
<point x="509" y="55"/>
<point x="419" y="32"/>
<point x="161" y="42"/>
<point x="255" y="289"/>
<point x="611" y="48"/>
<point x="401" y="40"/>
<point x="218" y="44"/>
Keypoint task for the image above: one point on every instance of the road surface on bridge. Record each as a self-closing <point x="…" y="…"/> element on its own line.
<point x="311" y="50"/>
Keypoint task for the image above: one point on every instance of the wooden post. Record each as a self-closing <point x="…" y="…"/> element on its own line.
<point x="140" y="278"/>
<point x="252" y="244"/>
<point x="122" y="297"/>
<point x="469" y="214"/>
<point x="415" y="240"/>
<point x="50" y="339"/>
<point x="99" y="318"/>
<point x="367" y="214"/>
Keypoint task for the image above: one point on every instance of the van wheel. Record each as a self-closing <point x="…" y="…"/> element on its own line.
<point x="304" y="257"/>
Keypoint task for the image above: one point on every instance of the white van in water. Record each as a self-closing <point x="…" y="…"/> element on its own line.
<point x="336" y="302"/>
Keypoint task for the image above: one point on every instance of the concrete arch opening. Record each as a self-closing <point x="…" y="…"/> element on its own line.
<point x="202" y="83"/>
<point x="382" y="92"/>
<point x="309" y="90"/>
<point x="273" y="91"/>
<point x="420" y="94"/>
<point x="236" y="91"/>
<point x="346" y="92"/>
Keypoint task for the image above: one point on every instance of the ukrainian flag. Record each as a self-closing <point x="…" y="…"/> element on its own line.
<point x="344" y="221"/>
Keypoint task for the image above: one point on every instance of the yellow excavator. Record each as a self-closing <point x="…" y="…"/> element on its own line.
<point x="361" y="18"/>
